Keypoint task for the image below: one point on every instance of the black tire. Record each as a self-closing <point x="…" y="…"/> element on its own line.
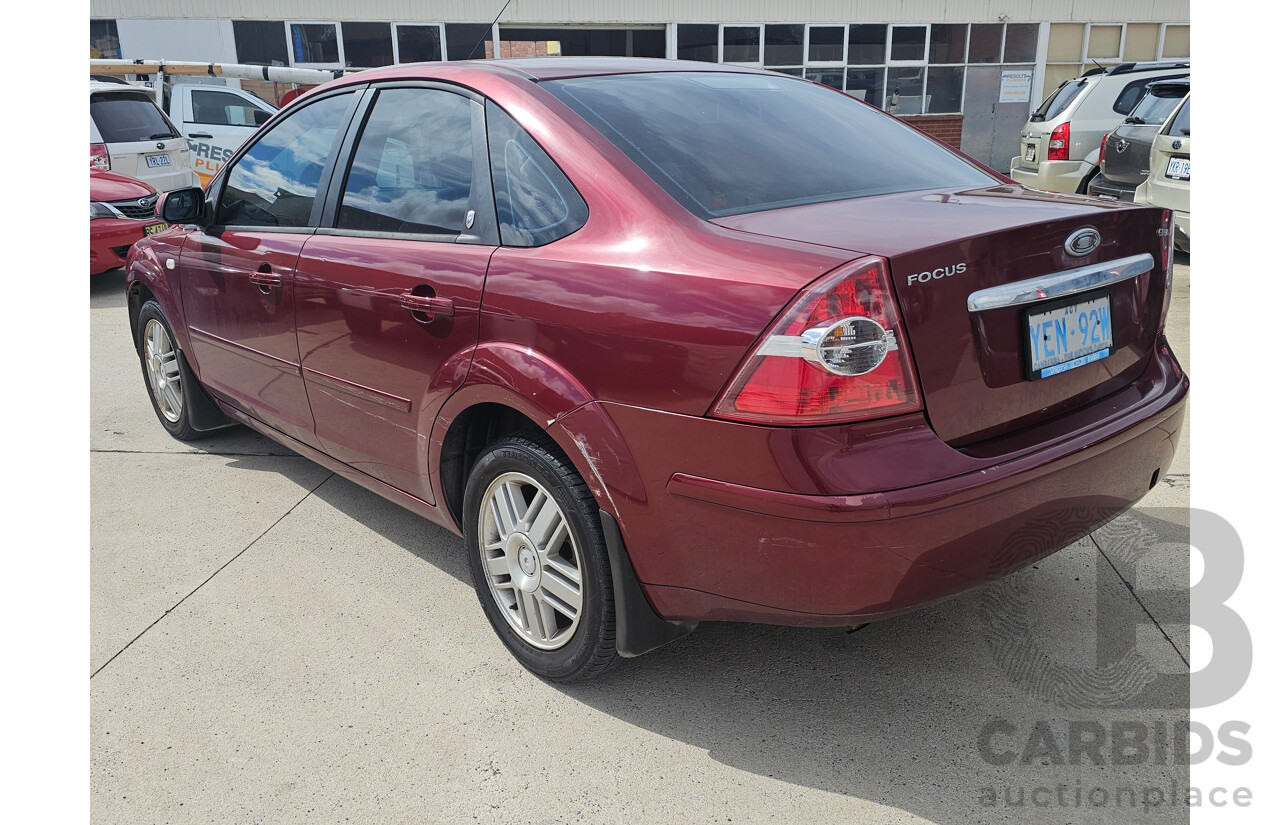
<point x="591" y="644"/>
<point x="1083" y="188"/>
<point x="178" y="426"/>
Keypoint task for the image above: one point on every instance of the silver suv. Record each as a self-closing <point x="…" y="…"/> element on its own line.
<point x="1060" y="143"/>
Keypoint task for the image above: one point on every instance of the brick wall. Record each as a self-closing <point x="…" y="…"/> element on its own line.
<point x="945" y="128"/>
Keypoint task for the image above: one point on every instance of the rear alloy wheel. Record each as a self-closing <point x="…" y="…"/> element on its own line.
<point x="168" y="379"/>
<point x="538" y="559"/>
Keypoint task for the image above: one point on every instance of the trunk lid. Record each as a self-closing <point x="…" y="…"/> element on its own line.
<point x="973" y="364"/>
<point x="1128" y="153"/>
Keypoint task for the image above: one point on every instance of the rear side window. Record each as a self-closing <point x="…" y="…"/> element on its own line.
<point x="274" y="183"/>
<point x="1182" y="123"/>
<point x="726" y="144"/>
<point x="1056" y="103"/>
<point x="128" y="117"/>
<point x="413" y="165"/>
<point x="536" y="203"/>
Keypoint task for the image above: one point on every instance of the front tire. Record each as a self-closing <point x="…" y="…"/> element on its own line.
<point x="538" y="558"/>
<point x="170" y="383"/>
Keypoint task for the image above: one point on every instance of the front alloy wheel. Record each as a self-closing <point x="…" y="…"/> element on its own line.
<point x="163" y="374"/>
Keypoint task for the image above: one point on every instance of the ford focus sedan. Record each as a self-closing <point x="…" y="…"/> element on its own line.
<point x="668" y="342"/>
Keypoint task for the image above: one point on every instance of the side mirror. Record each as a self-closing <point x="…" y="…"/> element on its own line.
<point x="181" y="205"/>
<point x="260" y="117"/>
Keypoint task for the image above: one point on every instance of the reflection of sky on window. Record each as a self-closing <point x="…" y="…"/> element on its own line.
<point x="295" y="169"/>
<point x="423" y="207"/>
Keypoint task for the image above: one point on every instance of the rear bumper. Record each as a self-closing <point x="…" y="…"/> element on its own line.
<point x="1101" y="186"/>
<point x="705" y="549"/>
<point x="1051" y="175"/>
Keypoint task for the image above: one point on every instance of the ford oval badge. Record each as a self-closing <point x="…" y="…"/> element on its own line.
<point x="1082" y="242"/>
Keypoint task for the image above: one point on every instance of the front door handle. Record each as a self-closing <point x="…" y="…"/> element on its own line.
<point x="425" y="305"/>
<point x="265" y="279"/>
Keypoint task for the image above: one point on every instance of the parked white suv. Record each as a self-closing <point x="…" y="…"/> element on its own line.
<point x="128" y="135"/>
<point x="1060" y="143"/>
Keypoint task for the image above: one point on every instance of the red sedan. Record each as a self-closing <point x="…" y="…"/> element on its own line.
<point x="668" y="342"/>
<point x="121" y="213"/>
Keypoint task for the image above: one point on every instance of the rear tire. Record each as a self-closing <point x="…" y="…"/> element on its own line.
<point x="538" y="559"/>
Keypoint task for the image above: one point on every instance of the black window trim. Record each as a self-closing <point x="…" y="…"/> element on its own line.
<point x="485" y="230"/>
<point x="213" y="195"/>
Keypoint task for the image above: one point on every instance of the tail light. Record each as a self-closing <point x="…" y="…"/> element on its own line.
<point x="1166" y="260"/>
<point x="1102" y="149"/>
<point x="838" y="354"/>
<point x="1060" y="142"/>
<point x="99" y="158"/>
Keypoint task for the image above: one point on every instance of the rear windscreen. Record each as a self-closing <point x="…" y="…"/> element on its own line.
<point x="126" y="117"/>
<point x="1061" y="98"/>
<point x="1158" y="104"/>
<point x="726" y="144"/>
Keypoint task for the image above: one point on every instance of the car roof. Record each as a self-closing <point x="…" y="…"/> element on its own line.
<point x="555" y="68"/>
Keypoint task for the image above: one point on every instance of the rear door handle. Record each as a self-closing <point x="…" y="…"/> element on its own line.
<point x="205" y="135"/>
<point x="427" y="305"/>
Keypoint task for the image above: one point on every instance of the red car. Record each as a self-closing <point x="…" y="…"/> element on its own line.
<point x="668" y="342"/>
<point x="121" y="213"/>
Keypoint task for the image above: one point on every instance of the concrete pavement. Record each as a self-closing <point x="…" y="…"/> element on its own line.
<point x="271" y="643"/>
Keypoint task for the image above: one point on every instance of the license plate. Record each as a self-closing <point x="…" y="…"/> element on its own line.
<point x="1069" y="335"/>
<point x="1179" y="169"/>
<point x="157" y="161"/>
<point x="154" y="229"/>
<point x="1031" y="152"/>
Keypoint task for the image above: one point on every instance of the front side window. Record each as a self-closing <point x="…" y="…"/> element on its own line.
<point x="274" y="183"/>
<point x="727" y="144"/>
<point x="222" y="109"/>
<point x="413" y="166"/>
<point x="536" y="203"/>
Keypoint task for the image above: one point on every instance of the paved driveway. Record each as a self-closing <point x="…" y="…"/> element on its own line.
<point x="271" y="643"/>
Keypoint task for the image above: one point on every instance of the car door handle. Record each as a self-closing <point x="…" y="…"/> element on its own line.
<point x="265" y="279"/>
<point x="425" y="305"/>
<point x="205" y="135"/>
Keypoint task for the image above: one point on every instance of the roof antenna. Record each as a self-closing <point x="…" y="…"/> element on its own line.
<point x="496" y="46"/>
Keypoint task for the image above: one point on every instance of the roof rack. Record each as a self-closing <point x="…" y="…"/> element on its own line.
<point x="1126" y="68"/>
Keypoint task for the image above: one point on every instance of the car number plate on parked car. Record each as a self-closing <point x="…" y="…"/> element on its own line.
<point x="157" y="161"/>
<point x="1069" y="335"/>
<point x="1179" y="169"/>
<point x="154" y="229"/>
<point x="1031" y="152"/>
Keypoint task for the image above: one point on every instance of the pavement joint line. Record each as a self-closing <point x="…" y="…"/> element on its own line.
<point x="214" y="573"/>
<point x="1134" y="593"/>
<point x="199" y="452"/>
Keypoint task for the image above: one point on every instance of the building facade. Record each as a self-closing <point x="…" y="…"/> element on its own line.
<point x="968" y="71"/>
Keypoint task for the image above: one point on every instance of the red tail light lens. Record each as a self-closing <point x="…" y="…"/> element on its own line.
<point x="1166" y="261"/>
<point x="838" y="354"/>
<point x="99" y="158"/>
<point x="1060" y="142"/>
<point x="1102" y="150"/>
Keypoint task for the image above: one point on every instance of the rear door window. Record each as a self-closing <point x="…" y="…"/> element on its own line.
<point x="413" y="167"/>
<point x="129" y="117"/>
<point x="274" y="183"/>
<point x="536" y="203"/>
